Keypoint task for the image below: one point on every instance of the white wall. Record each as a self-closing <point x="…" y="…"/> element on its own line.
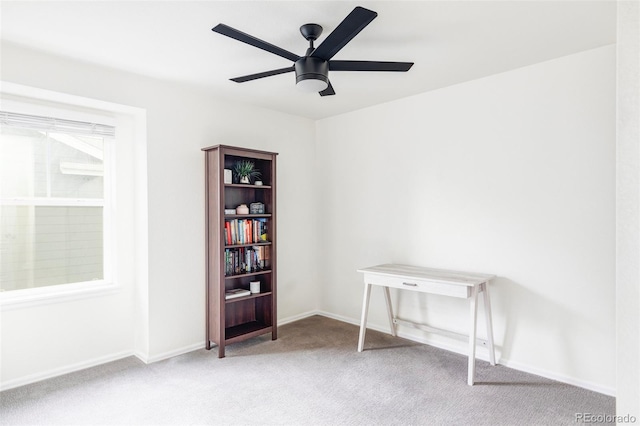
<point x="513" y="174"/>
<point x="180" y="121"/>
<point x="628" y="210"/>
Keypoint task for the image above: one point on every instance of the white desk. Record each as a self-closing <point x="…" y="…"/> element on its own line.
<point x="435" y="281"/>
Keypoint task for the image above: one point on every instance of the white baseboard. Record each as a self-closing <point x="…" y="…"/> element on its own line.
<point x="454" y="346"/>
<point x="298" y="317"/>
<point x="448" y="345"/>
<point x="49" y="374"/>
<point x="482" y="353"/>
<point x="606" y="390"/>
<point x="199" y="345"/>
<point x="170" y="354"/>
<point x="55" y="372"/>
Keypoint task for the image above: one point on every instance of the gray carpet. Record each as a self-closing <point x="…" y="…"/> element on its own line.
<point x="311" y="375"/>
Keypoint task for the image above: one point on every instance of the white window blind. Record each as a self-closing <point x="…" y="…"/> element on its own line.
<point x="54" y="197"/>
<point x="57" y="125"/>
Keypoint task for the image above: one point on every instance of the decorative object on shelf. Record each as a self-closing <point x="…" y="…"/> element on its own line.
<point x="246" y="170"/>
<point x="242" y="209"/>
<point x="229" y="211"/>
<point x="228" y="176"/>
<point x="256" y="208"/>
<point x="254" y="286"/>
<point x="258" y="183"/>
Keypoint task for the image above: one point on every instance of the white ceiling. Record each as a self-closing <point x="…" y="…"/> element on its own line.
<point x="449" y="41"/>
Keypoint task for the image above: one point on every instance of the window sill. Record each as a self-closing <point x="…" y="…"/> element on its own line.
<point x="20" y="299"/>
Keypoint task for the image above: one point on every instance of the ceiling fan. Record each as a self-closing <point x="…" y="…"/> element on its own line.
<point x="312" y="69"/>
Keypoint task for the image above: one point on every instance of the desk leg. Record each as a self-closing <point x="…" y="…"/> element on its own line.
<point x="387" y="298"/>
<point x="363" y="320"/>
<point x="487" y="314"/>
<point x="473" y="306"/>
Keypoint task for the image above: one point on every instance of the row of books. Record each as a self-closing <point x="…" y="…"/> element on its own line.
<point x="245" y="260"/>
<point x="245" y="231"/>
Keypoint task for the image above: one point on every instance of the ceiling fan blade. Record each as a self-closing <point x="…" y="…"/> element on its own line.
<point x="260" y="44"/>
<point x="348" y="29"/>
<point x="369" y="66"/>
<point x="261" y="75"/>
<point x="328" y="91"/>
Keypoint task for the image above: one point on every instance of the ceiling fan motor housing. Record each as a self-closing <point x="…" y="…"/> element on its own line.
<point x="309" y="67"/>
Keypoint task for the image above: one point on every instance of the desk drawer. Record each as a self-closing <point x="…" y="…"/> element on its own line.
<point x="424" y="286"/>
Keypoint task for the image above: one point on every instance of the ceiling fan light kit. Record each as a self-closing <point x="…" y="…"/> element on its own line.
<point x="312" y="69"/>
<point x="312" y="74"/>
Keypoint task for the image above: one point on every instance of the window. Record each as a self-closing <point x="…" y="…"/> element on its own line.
<point x="55" y="198"/>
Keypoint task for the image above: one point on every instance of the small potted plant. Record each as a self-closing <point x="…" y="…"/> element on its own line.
<point x="245" y="171"/>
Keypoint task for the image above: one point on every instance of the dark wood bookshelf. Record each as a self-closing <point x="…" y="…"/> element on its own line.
<point x="240" y="318"/>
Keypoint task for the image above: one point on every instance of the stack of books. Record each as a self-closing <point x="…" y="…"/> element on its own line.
<point x="236" y="292"/>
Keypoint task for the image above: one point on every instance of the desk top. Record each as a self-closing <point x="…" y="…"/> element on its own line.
<point x="469" y="279"/>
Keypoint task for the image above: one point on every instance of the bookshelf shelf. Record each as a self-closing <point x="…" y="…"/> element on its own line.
<point x="253" y="296"/>
<point x="246" y="216"/>
<point x="247" y="274"/>
<point x="236" y="244"/>
<point x="246" y="186"/>
<point x="247" y="330"/>
<point x="266" y="243"/>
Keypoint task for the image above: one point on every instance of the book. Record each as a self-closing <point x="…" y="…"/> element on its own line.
<point x="236" y="292"/>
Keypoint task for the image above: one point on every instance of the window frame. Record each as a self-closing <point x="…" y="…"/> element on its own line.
<point x="13" y="299"/>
